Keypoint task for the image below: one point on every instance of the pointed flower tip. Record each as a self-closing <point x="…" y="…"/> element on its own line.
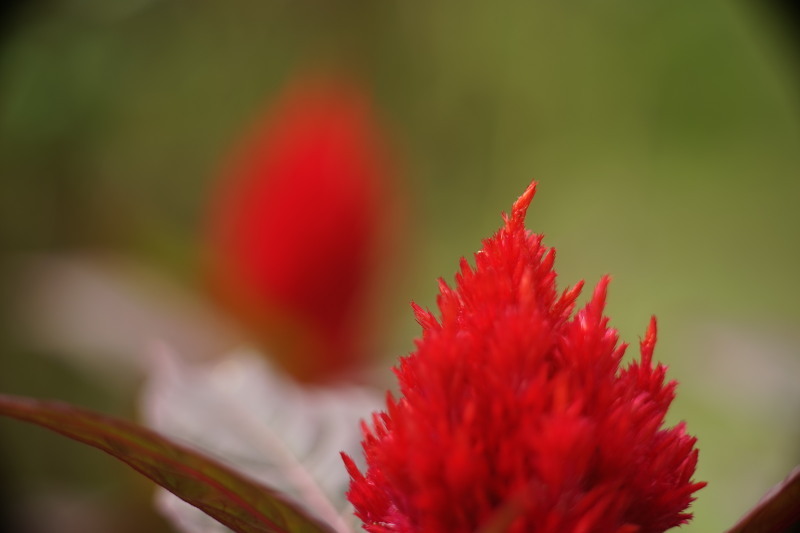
<point x="597" y="304"/>
<point x="520" y="208"/>
<point x="350" y="465"/>
<point x="652" y="330"/>
<point x="601" y="291"/>
<point x="648" y="344"/>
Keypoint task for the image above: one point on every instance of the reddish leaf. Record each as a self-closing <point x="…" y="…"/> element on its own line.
<point x="778" y="510"/>
<point x="241" y="504"/>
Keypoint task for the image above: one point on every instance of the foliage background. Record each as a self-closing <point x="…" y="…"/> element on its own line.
<point x="665" y="136"/>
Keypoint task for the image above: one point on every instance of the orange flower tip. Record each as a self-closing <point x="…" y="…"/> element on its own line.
<point x="520" y="208"/>
<point x="648" y="344"/>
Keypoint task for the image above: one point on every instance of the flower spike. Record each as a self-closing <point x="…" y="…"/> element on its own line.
<point x="514" y="414"/>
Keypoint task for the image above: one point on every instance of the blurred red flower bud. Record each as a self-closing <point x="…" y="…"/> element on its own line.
<point x="514" y="415"/>
<point x="295" y="225"/>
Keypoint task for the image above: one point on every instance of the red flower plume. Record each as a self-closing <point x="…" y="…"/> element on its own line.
<point x="295" y="223"/>
<point x="515" y="416"/>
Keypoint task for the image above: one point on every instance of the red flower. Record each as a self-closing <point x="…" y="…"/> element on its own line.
<point x="295" y="225"/>
<point x="515" y="416"/>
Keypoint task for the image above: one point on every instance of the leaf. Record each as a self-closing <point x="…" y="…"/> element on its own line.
<point x="778" y="510"/>
<point x="243" y="505"/>
<point x="257" y="420"/>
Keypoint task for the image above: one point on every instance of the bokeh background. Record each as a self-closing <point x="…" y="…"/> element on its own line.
<point x="665" y="137"/>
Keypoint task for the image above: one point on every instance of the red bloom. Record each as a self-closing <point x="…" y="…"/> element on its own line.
<point x="515" y="416"/>
<point x="296" y="222"/>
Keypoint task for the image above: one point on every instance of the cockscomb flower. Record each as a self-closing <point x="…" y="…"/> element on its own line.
<point x="297" y="220"/>
<point x="514" y="415"/>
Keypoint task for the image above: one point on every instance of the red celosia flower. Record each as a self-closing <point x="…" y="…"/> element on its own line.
<point x="296" y="221"/>
<point x="515" y="416"/>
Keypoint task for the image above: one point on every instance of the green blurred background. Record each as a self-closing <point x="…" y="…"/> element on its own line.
<point x="665" y="137"/>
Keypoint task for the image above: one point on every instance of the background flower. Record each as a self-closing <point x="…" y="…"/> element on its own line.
<point x="297" y="223"/>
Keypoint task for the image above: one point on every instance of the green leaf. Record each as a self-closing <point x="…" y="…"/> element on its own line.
<point x="234" y="500"/>
<point x="778" y="510"/>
